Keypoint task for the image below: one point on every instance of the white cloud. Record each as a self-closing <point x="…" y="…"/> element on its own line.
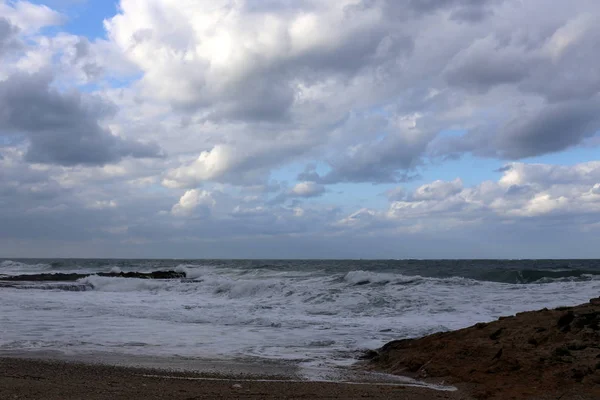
<point x="196" y="53"/>
<point x="191" y="200"/>
<point x="350" y="91"/>
<point x="438" y="190"/>
<point x="524" y="191"/>
<point x="30" y="17"/>
<point x="307" y="189"/>
<point x="102" y="204"/>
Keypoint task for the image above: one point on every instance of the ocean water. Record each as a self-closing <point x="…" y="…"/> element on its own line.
<point x="310" y="313"/>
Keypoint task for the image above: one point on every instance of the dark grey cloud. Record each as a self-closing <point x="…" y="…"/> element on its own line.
<point x="62" y="128"/>
<point x="552" y="128"/>
<point x="460" y="10"/>
<point x="554" y="60"/>
<point x="480" y="68"/>
<point x="391" y="159"/>
<point x="572" y="73"/>
<point x="260" y="98"/>
<point x="8" y="36"/>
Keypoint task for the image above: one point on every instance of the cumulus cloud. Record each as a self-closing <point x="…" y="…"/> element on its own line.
<point x="307" y="189"/>
<point x="242" y="163"/>
<point x="241" y="95"/>
<point x="190" y="202"/>
<point x="62" y="128"/>
<point x="8" y="36"/>
<point x="438" y="190"/>
<point x="271" y="70"/>
<point x="525" y="192"/>
<point x="29" y="17"/>
<point x="541" y="130"/>
<point x="247" y="59"/>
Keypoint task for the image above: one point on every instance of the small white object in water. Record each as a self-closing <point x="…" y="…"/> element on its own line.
<point x="236" y="386"/>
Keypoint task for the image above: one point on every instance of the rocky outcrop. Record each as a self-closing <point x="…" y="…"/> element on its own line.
<point x="58" y="277"/>
<point x="529" y="355"/>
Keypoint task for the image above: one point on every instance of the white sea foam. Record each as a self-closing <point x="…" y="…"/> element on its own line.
<point x="9" y="267"/>
<point x="111" y="284"/>
<point x="315" y="318"/>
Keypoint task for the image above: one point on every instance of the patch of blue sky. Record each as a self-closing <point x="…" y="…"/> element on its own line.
<point x="471" y="169"/>
<point x="84" y="17"/>
<point x="9" y="140"/>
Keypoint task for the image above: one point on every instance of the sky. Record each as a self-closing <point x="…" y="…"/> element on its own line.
<point x="300" y="129"/>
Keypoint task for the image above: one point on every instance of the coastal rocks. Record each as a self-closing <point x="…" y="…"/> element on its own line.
<point x="529" y="355"/>
<point x="59" y="277"/>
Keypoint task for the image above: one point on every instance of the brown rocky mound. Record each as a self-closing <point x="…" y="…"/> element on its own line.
<point x="539" y="354"/>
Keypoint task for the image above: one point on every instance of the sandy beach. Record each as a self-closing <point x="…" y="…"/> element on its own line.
<point x="57" y="380"/>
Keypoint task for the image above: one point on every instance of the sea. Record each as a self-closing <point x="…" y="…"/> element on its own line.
<point x="312" y="313"/>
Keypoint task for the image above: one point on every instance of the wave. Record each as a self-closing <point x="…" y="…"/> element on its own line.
<point x="526" y="276"/>
<point x="12" y="267"/>
<point x="359" y="278"/>
<point x="112" y="284"/>
<point x="61" y="286"/>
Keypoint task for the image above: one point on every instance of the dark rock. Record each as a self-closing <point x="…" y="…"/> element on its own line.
<point x="565" y="319"/>
<point x="534" y="360"/>
<point x="576" y="346"/>
<point x="58" y="277"/>
<point x="369" y="355"/>
<point x="496" y="334"/>
<point x="591" y="320"/>
<point x="561" y="352"/>
<point x="498" y="355"/>
<point x="579" y="373"/>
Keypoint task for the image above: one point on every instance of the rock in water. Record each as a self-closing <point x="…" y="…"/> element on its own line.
<point x="58" y="277"/>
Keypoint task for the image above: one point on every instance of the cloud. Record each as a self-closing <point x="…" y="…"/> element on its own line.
<point x="307" y="189"/>
<point x="395" y="194"/>
<point x="191" y="200"/>
<point x="438" y="190"/>
<point x="30" y="17"/>
<point x="313" y="66"/>
<point x="212" y="101"/>
<point x="242" y="163"/>
<point x="541" y="130"/>
<point x="244" y="61"/>
<point x="486" y="64"/>
<point x="62" y="128"/>
<point x="8" y="36"/>
<point x="526" y="193"/>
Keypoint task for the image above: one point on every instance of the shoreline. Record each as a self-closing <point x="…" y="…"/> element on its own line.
<point x="544" y="354"/>
<point x="29" y="378"/>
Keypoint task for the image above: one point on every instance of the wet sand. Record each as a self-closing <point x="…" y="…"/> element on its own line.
<point x="54" y="380"/>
